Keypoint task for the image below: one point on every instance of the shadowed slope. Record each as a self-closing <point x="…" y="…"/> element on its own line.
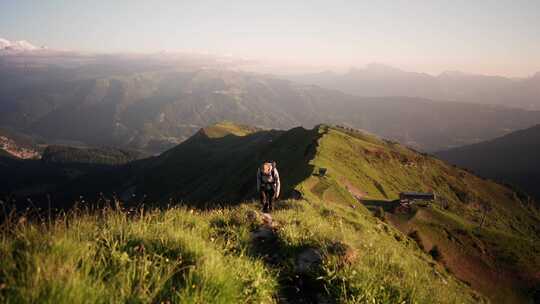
<point x="215" y="165"/>
<point x="512" y="158"/>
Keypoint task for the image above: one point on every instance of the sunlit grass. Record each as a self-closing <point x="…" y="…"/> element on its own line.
<point x="189" y="256"/>
<point x="114" y="257"/>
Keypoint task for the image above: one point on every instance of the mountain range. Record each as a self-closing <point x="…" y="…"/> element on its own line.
<point x="382" y="80"/>
<point x="153" y="102"/>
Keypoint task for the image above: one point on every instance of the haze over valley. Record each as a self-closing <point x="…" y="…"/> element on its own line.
<point x="152" y="102"/>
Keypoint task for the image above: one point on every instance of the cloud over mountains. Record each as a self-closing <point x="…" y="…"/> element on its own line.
<point x="20" y="45"/>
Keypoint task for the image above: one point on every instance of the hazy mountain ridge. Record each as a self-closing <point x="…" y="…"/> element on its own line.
<point x="381" y="80"/>
<point x="512" y="158"/>
<point x="153" y="106"/>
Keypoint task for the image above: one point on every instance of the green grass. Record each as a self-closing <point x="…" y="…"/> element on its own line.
<point x="509" y="237"/>
<point x="382" y="170"/>
<point x="188" y="256"/>
<point x="193" y="256"/>
<point x="384" y="270"/>
<point x="121" y="258"/>
<point x="225" y="128"/>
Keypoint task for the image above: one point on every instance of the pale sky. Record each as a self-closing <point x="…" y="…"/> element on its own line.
<point x="487" y="37"/>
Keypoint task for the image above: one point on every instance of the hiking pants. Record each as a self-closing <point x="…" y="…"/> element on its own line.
<point x="267" y="198"/>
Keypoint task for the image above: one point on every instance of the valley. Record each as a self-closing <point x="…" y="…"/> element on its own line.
<point x="151" y="103"/>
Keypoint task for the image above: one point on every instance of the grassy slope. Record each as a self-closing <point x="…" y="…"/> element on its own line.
<point x="501" y="259"/>
<point x="226" y="127"/>
<point x="364" y="165"/>
<point x="155" y="257"/>
<point x="211" y="256"/>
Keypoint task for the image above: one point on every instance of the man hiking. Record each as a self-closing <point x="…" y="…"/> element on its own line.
<point x="268" y="184"/>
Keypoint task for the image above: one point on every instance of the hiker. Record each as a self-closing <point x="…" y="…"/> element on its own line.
<point x="268" y="184"/>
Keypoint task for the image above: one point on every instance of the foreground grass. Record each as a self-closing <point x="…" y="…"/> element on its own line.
<point x="114" y="257"/>
<point x="187" y="256"/>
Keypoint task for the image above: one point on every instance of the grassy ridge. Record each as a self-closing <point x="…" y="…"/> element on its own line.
<point x="325" y="247"/>
<point x="187" y="256"/>
<point x="225" y="128"/>
<point x="500" y="258"/>
<point x="221" y="167"/>
<point x="381" y="170"/>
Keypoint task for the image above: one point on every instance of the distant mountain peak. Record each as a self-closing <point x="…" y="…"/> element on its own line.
<point x="326" y="73"/>
<point x="378" y="65"/>
<point x="376" y="69"/>
<point x="454" y="73"/>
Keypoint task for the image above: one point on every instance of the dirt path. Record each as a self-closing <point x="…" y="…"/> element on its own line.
<point x="357" y="193"/>
<point x="297" y="283"/>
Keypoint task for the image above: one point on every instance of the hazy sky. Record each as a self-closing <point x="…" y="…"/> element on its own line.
<point x="490" y="37"/>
